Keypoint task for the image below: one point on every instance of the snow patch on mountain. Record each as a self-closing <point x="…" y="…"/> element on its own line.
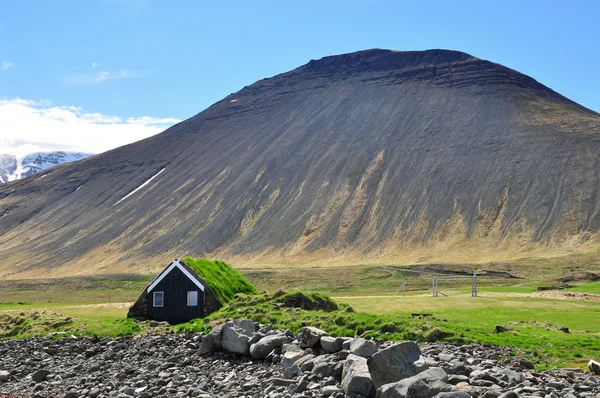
<point x="13" y="168"/>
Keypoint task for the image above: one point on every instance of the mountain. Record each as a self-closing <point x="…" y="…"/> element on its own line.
<point x="13" y="168"/>
<point x="371" y="157"/>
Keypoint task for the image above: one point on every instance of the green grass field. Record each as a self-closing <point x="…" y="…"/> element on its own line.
<point x="80" y="306"/>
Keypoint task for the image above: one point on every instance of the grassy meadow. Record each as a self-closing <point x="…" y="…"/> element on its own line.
<point x="369" y="302"/>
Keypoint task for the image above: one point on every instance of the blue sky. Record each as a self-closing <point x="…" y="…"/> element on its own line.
<point x="166" y="61"/>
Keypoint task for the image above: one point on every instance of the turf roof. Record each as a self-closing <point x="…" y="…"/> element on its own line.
<point x="224" y="280"/>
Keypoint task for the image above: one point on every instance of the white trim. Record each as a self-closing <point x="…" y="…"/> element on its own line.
<point x="174" y="264"/>
<point x="154" y="299"/>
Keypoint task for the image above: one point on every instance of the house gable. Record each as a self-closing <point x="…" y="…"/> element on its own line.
<point x="175" y="264"/>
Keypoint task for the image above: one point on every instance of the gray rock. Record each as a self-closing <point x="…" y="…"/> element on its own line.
<point x="291" y="372"/>
<point x="455" y="379"/>
<point x="503" y="328"/>
<point x="453" y="394"/>
<point x="40" y="375"/>
<point x="328" y="391"/>
<point x="4" y="375"/>
<point x="213" y="341"/>
<point x="356" y="379"/>
<point x="363" y="347"/>
<point x="594" y="367"/>
<point x="94" y="392"/>
<point x="328" y="369"/>
<point x="514" y="377"/>
<point x="346" y="345"/>
<point x="394" y="363"/>
<point x="509" y="394"/>
<point x="264" y="346"/>
<point x="236" y="336"/>
<point x="426" y="384"/>
<point x="291" y="353"/>
<point x="331" y="344"/>
<point x="491" y="393"/>
<point x="310" y="336"/>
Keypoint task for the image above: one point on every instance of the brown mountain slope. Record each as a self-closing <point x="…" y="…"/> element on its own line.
<point x="375" y="156"/>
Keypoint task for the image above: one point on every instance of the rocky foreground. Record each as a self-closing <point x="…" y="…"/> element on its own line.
<point x="243" y="359"/>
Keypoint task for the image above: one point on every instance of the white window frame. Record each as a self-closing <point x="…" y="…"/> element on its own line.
<point x="154" y="299"/>
<point x="195" y="302"/>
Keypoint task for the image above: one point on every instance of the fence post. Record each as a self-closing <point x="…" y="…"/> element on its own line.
<point x="403" y="288"/>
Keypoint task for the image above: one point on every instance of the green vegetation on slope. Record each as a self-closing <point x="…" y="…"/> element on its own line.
<point x="67" y="321"/>
<point x="393" y="318"/>
<point x="224" y="280"/>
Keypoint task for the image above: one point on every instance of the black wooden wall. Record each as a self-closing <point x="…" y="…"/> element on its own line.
<point x="175" y="310"/>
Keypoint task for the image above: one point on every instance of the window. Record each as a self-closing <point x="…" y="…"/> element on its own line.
<point x="193" y="298"/>
<point x="159" y="299"/>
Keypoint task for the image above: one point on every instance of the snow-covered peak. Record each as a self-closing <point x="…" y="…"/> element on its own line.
<point x="13" y="168"/>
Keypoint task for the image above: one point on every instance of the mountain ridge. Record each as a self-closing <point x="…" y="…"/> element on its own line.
<point x="14" y="168"/>
<point x="337" y="161"/>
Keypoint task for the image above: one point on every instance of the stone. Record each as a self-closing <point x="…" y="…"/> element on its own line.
<point x="328" y="391"/>
<point x="264" y="346"/>
<point x="331" y="344"/>
<point x="455" y="379"/>
<point x="453" y="394"/>
<point x="310" y="336"/>
<point x="503" y="328"/>
<point x="94" y="392"/>
<point x="327" y="368"/>
<point x="594" y="367"/>
<point x="509" y="394"/>
<point x="426" y="384"/>
<point x="212" y="341"/>
<point x="40" y="375"/>
<point x="236" y="336"/>
<point x="394" y="363"/>
<point x="363" y="347"/>
<point x="4" y="375"/>
<point x="356" y="379"/>
<point x="291" y="353"/>
<point x="291" y="372"/>
<point x="514" y="377"/>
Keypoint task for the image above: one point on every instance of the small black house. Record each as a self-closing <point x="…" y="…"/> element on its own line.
<point x="180" y="293"/>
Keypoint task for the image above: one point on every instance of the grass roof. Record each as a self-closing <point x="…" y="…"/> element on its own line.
<point x="224" y="280"/>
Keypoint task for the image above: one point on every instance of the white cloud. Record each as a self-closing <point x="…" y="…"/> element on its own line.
<point x="5" y="65"/>
<point x="94" y="65"/>
<point x="30" y="126"/>
<point x="99" y="77"/>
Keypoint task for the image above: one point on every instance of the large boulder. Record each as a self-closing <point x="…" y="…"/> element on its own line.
<point x="426" y="384"/>
<point x="356" y="379"/>
<point x="310" y="336"/>
<point x="326" y="366"/>
<point x="394" y="363"/>
<point x="453" y="394"/>
<point x="236" y="336"/>
<point x="594" y="366"/>
<point x="213" y="341"/>
<point x="4" y="375"/>
<point x="332" y="344"/>
<point x="40" y="375"/>
<point x="363" y="347"/>
<point x="290" y="354"/>
<point x="264" y="346"/>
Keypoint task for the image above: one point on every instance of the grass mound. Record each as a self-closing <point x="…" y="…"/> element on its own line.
<point x="295" y="310"/>
<point x="224" y="280"/>
<point x="310" y="301"/>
